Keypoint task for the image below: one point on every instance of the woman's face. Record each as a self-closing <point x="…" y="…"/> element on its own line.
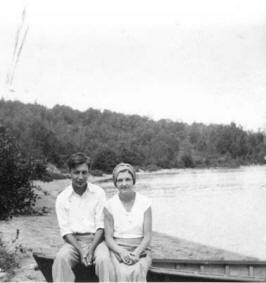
<point x="124" y="182"/>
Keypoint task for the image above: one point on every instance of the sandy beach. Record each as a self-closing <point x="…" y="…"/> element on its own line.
<point x="25" y="234"/>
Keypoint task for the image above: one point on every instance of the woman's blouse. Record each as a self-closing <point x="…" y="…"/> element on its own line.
<point x="128" y="224"/>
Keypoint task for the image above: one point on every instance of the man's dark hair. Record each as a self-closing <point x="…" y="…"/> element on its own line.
<point x="77" y="159"/>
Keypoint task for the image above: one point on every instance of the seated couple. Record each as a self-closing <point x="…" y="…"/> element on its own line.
<point x="85" y="218"/>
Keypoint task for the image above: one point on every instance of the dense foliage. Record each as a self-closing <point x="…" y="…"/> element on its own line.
<point x="7" y="260"/>
<point x="16" y="173"/>
<point x="109" y="137"/>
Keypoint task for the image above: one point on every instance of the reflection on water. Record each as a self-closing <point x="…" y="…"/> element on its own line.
<point x="225" y="208"/>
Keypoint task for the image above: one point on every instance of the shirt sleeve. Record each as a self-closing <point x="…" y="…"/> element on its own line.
<point x="99" y="217"/>
<point x="62" y="217"/>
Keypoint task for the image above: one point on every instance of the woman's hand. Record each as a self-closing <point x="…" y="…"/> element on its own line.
<point x="134" y="257"/>
<point x="126" y="257"/>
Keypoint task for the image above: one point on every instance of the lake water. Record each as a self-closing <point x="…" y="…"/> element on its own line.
<point x="224" y="208"/>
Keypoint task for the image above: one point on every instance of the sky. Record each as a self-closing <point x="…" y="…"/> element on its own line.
<point x="188" y="61"/>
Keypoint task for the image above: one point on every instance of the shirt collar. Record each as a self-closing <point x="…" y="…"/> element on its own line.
<point x="90" y="189"/>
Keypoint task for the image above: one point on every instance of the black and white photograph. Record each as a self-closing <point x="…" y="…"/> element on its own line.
<point x="132" y="141"/>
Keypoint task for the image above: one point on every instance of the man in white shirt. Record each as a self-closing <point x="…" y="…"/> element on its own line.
<point x="79" y="209"/>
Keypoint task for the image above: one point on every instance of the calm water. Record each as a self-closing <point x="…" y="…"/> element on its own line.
<point x="225" y="208"/>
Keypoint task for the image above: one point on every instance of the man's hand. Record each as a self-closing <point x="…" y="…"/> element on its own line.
<point x="89" y="256"/>
<point x="83" y="257"/>
<point x="86" y="256"/>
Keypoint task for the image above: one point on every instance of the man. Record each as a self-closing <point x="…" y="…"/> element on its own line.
<point x="79" y="209"/>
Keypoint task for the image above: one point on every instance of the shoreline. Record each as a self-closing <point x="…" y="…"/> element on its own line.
<point x="172" y="171"/>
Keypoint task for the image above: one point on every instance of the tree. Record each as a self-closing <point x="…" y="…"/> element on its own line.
<point x="16" y="189"/>
<point x="53" y="134"/>
<point x="105" y="159"/>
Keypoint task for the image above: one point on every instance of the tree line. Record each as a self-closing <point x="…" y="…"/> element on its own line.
<point x="109" y="137"/>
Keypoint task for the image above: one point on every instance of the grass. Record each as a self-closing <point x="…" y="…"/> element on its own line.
<point x="7" y="260"/>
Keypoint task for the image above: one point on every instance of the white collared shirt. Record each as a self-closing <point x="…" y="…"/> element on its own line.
<point x="80" y="214"/>
<point x="128" y="224"/>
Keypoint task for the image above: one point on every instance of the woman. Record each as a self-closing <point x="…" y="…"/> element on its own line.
<point x="128" y="225"/>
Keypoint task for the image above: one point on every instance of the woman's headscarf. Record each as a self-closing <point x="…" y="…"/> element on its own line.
<point x="121" y="167"/>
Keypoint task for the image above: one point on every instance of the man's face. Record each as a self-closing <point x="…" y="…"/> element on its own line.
<point x="79" y="175"/>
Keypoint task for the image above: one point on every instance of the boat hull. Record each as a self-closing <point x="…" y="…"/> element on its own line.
<point x="168" y="270"/>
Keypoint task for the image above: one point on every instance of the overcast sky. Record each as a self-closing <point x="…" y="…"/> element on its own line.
<point x="189" y="61"/>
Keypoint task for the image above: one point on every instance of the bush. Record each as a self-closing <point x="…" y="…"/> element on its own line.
<point x="16" y="189"/>
<point x="39" y="171"/>
<point x="7" y="260"/>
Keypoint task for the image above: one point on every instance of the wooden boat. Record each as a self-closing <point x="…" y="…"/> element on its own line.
<point x="169" y="270"/>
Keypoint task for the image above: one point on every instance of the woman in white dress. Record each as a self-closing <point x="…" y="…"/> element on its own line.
<point x="128" y="227"/>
